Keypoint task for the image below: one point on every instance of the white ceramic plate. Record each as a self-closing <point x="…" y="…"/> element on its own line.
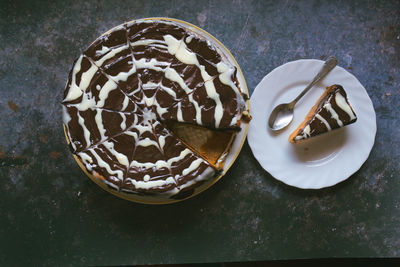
<point x="321" y="161"/>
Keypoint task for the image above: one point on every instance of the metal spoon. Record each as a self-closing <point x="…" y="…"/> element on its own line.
<point x="282" y="115"/>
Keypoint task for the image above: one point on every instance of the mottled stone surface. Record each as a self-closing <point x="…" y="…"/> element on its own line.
<point x="52" y="214"/>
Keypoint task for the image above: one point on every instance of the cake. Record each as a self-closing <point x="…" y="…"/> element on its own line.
<point x="135" y="101"/>
<point x="332" y="111"/>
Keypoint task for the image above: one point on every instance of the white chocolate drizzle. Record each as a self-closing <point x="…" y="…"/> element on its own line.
<point x="99" y="122"/>
<point x="74" y="90"/>
<point x="189" y="39"/>
<point x="225" y="75"/>
<point x="323" y="121"/>
<point x="197" y="108"/>
<point x="105" y="90"/>
<point x="193" y="166"/>
<point x="86" y="132"/>
<point x="125" y="103"/>
<point x="110" y="54"/>
<point x="122" y="159"/>
<point x="334" y="115"/>
<point x="123" y="123"/>
<point x="179" y="112"/>
<point x="172" y="75"/>
<point x="342" y="103"/>
<point x="105" y="165"/>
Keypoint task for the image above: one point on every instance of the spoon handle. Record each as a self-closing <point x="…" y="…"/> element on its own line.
<point x="329" y="64"/>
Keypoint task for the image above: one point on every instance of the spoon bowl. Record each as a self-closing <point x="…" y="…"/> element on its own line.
<point x="281" y="116"/>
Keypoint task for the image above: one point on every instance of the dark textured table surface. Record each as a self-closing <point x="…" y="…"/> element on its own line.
<point x="52" y="214"/>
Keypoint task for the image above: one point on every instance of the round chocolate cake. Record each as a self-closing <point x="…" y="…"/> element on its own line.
<point x="125" y="90"/>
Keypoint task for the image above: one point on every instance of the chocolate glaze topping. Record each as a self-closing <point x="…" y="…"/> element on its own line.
<point x="123" y="89"/>
<point x="333" y="112"/>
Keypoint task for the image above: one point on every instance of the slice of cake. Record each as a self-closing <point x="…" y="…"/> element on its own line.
<point x="332" y="111"/>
